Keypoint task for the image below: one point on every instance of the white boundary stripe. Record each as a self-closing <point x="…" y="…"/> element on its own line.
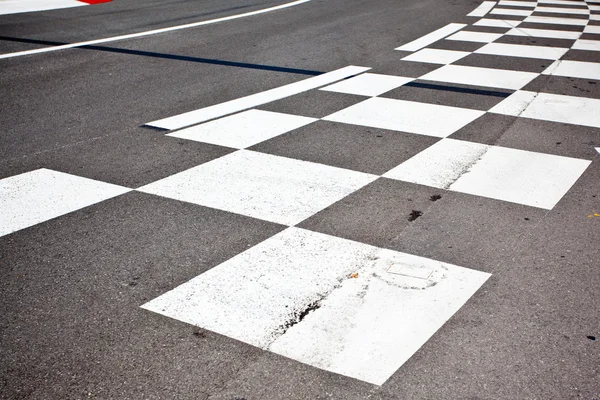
<point x="153" y="32"/>
<point x="254" y="100"/>
<point x="483" y="9"/>
<point x="432" y="37"/>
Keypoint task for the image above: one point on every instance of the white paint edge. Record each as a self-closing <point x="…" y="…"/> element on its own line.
<point x="152" y="32"/>
<point x="597" y="149"/>
<point x="254" y="100"/>
<point x="432" y="37"/>
<point x="483" y="9"/>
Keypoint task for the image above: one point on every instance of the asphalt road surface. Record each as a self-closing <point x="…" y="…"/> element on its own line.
<point x="341" y="199"/>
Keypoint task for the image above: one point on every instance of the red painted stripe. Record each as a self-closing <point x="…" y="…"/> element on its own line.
<point x="94" y="1"/>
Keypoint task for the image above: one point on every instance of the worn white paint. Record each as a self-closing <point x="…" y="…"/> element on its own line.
<point x="406" y="116"/>
<point x="439" y="165"/>
<point x="517" y="176"/>
<point x="499" y="23"/>
<point x="511" y="11"/>
<point x="574" y="69"/>
<point x="152" y="32"/>
<point x="254" y="100"/>
<point x="559" y="10"/>
<point x="523" y="51"/>
<point x="268" y="187"/>
<point x="482" y="9"/>
<point x="368" y="84"/>
<point x="436" y="56"/>
<point x="595" y="17"/>
<point x="470" y="36"/>
<point x="23" y="6"/>
<point x="364" y="327"/>
<point x="489" y="77"/>
<point x="585" y="44"/>
<point x="544" y="33"/>
<point x="37" y="196"/>
<point x="551" y="107"/>
<point x="431" y="37"/>
<point x="523" y="177"/>
<point x="244" y="129"/>
<point x="556" y="21"/>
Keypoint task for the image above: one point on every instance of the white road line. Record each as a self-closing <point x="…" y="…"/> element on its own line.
<point x="479" y="37"/>
<point x="488" y="77"/>
<point x="482" y="9"/>
<point x="523" y="51"/>
<point x="254" y="100"/>
<point x="574" y="69"/>
<point x="364" y="327"/>
<point x="558" y="10"/>
<point x="431" y="37"/>
<point x="436" y="56"/>
<point x="544" y="33"/>
<point x="406" y="116"/>
<point x="500" y="23"/>
<point x="272" y="188"/>
<point x="595" y="17"/>
<point x="37" y="196"/>
<point x="584" y="44"/>
<point x="556" y="21"/>
<point x="597" y="149"/>
<point x="523" y="177"/>
<point x="551" y="107"/>
<point x="148" y="33"/>
<point x="511" y="11"/>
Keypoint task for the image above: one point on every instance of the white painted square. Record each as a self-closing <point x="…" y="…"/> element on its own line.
<point x="551" y="107"/>
<point x="482" y="9"/>
<point x="406" y="116"/>
<point x="489" y="77"/>
<point x="436" y="56"/>
<point x="574" y="69"/>
<point x="439" y="165"/>
<point x="479" y="37"/>
<point x="544" y="33"/>
<point x="368" y="84"/>
<point x="523" y="177"/>
<point x="268" y="187"/>
<point x="364" y="327"/>
<point x="556" y="21"/>
<point x="509" y="3"/>
<point x="37" y="196"/>
<point x="563" y="10"/>
<point x="585" y="44"/>
<point x="523" y="51"/>
<point x="511" y="11"/>
<point x="594" y="29"/>
<point x="498" y="23"/>
<point x="244" y="129"/>
<point x="413" y="271"/>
